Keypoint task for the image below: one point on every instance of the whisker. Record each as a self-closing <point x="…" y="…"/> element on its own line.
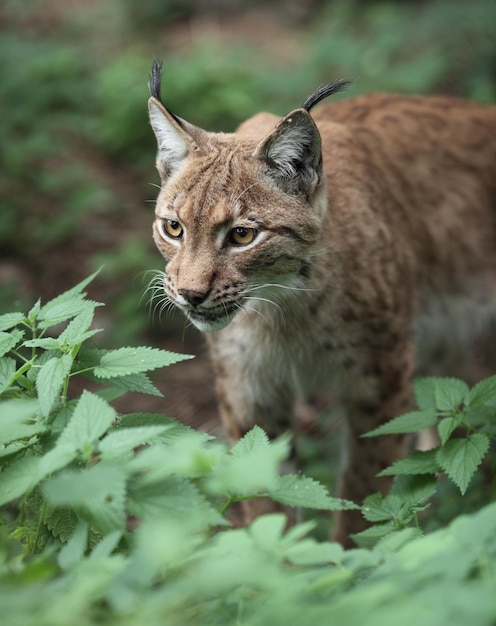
<point x="323" y="249"/>
<point x="234" y="200"/>
<point x="278" y="285"/>
<point x="277" y="306"/>
<point x="155" y="185"/>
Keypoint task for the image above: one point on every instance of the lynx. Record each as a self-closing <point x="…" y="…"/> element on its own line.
<point x="319" y="251"/>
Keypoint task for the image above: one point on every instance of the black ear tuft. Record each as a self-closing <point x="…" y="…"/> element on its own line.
<point x="324" y="92"/>
<point x="154" y="85"/>
<point x="155" y="80"/>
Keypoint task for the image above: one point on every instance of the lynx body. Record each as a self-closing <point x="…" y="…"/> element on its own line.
<point x="318" y="251"/>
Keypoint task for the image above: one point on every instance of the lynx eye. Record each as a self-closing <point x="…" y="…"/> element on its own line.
<point x="171" y="228"/>
<point x="242" y="236"/>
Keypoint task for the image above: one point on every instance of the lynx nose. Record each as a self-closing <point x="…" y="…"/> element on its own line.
<point x="193" y="297"/>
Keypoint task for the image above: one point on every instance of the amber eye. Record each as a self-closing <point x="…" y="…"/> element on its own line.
<point x="172" y="229"/>
<point x="242" y="236"/>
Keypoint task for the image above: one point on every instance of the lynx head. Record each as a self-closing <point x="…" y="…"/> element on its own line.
<point x="237" y="216"/>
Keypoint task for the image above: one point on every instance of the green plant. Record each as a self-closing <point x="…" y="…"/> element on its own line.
<point x="122" y="520"/>
<point x="465" y="422"/>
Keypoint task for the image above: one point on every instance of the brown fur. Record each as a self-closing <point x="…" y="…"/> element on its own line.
<point x="352" y="266"/>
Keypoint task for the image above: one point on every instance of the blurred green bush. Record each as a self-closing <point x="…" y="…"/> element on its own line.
<point x="77" y="154"/>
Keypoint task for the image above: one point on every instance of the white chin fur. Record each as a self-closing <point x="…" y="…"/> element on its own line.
<point x="209" y="326"/>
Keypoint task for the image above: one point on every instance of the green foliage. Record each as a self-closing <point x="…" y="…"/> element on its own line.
<point x="465" y="421"/>
<point x="123" y="520"/>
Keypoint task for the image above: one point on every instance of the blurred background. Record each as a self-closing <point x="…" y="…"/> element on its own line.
<point x="77" y="154"/>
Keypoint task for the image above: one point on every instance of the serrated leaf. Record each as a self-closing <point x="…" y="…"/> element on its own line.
<point x="8" y="369"/>
<point x="254" y="438"/>
<point x="77" y="330"/>
<point x="174" y="498"/>
<point x="446" y="427"/>
<point x="459" y="458"/>
<point x="407" y="423"/>
<point x="61" y="522"/>
<point x="9" y="320"/>
<point x="418" y="462"/>
<point x="18" y="479"/>
<point x="92" y="417"/>
<point x="50" y="381"/>
<point x="125" y="361"/>
<point x="425" y="395"/>
<point x="450" y="393"/>
<point x="301" y="491"/>
<point x="139" y="383"/>
<point x="482" y="392"/>
<point x="33" y="313"/>
<point x="74" y="293"/>
<point x="124" y="440"/>
<point x="379" y="508"/>
<point x="414" y="489"/>
<point x="46" y="343"/>
<point x="10" y="340"/>
<point x="370" y="536"/>
<point x="97" y="493"/>
<point x="175" y="430"/>
<point x="53" y="314"/>
<point x="251" y="468"/>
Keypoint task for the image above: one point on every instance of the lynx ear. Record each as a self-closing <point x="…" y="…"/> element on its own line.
<point x="174" y="137"/>
<point x="293" y="153"/>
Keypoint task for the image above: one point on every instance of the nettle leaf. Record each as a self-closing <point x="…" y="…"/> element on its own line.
<point x="75" y="293"/>
<point x="92" y="418"/>
<point x="53" y="314"/>
<point x="9" y="320"/>
<point x="125" y="361"/>
<point x="18" y="479"/>
<point x="50" y="381"/>
<point x="77" y="330"/>
<point x="407" y="423"/>
<point x="61" y="522"/>
<point x="390" y="508"/>
<point x="425" y="395"/>
<point x="10" y="340"/>
<point x="450" y="393"/>
<point x="46" y="343"/>
<point x="97" y="494"/>
<point x="446" y="427"/>
<point x="418" y="462"/>
<point x="459" y="458"/>
<point x="301" y="491"/>
<point x="174" y="431"/>
<point x="414" y="490"/>
<point x="174" y="498"/>
<point x="255" y="438"/>
<point x="8" y="369"/>
<point x="482" y="392"/>
<point x="124" y="440"/>
<point x="253" y="471"/>
<point x="139" y="383"/>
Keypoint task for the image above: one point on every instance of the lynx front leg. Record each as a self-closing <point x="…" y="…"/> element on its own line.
<point x="389" y="377"/>
<point x="251" y="392"/>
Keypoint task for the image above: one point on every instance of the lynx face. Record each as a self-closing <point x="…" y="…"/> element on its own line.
<point x="235" y="221"/>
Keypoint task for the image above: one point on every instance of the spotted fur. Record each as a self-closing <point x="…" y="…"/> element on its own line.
<point x="358" y="223"/>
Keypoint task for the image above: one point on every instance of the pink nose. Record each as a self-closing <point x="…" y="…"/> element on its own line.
<point x="195" y="298"/>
